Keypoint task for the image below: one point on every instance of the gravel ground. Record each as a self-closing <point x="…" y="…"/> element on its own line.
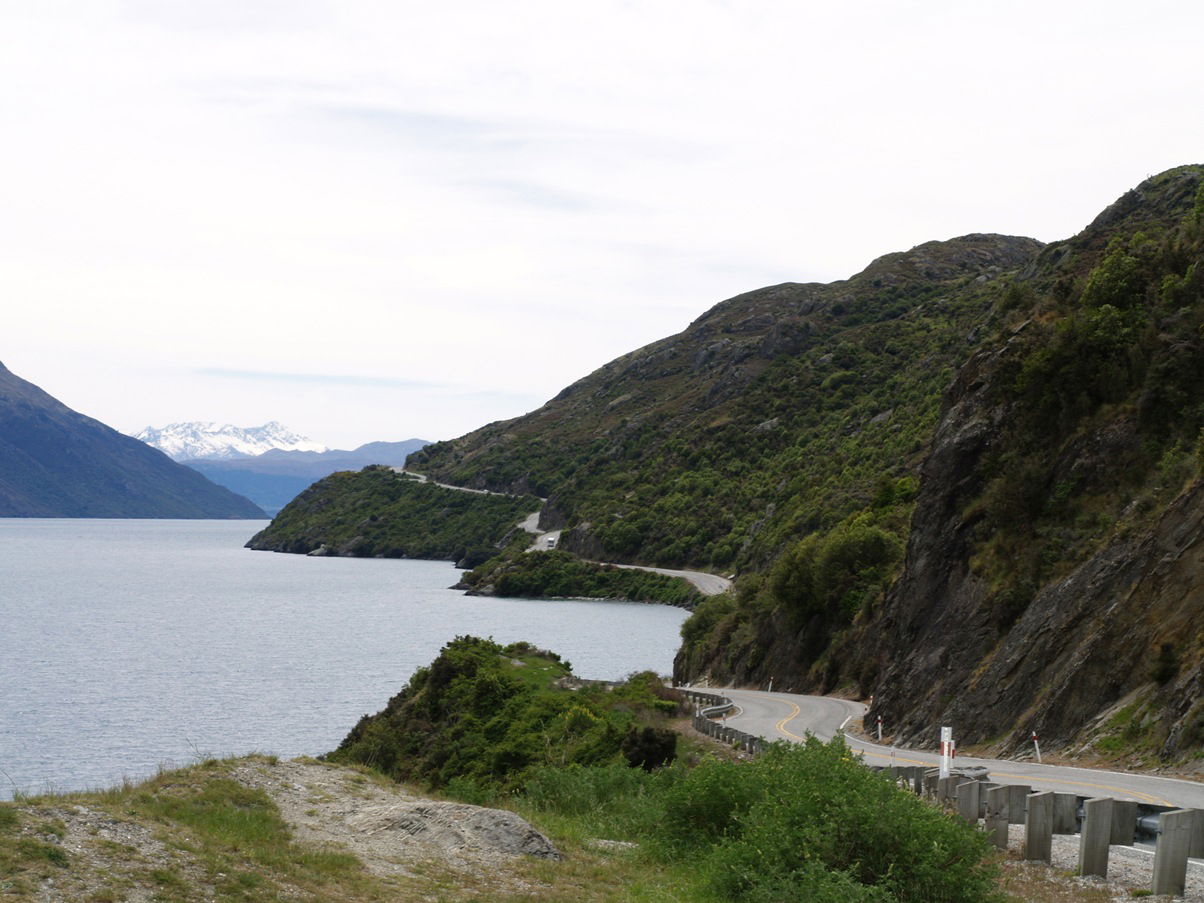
<point x="1129" y="868"/>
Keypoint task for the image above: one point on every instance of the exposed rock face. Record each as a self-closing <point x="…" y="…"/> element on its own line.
<point x="385" y="825"/>
<point x="1054" y="657"/>
<point x="455" y="826"/>
<point x="1082" y="644"/>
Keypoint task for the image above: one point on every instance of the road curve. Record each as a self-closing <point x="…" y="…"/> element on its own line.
<point x="707" y="584"/>
<point x="790" y="716"/>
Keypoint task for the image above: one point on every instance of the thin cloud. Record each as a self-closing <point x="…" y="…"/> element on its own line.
<point x="447" y="390"/>
<point x="426" y="129"/>
<point x="530" y="194"/>
<point x="328" y="379"/>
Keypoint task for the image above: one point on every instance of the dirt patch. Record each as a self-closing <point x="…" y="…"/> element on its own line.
<point x="389" y="829"/>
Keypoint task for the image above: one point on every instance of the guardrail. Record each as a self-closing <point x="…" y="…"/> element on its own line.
<point x="712" y="705"/>
<point x="1178" y="834"/>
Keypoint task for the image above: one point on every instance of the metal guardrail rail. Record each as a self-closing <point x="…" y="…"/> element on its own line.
<point x="712" y="705"/>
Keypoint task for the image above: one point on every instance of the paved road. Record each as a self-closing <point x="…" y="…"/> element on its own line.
<point x="790" y="716"/>
<point x="707" y="584"/>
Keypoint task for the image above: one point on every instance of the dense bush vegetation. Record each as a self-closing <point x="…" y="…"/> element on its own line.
<point x="377" y="513"/>
<point x="1102" y="384"/>
<point x="803" y="822"/>
<point x="557" y="574"/>
<point x="713" y="450"/>
<point x="482" y="715"/>
<point x="819" y="589"/>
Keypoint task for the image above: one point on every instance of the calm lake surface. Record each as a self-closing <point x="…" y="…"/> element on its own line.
<point x="126" y="644"/>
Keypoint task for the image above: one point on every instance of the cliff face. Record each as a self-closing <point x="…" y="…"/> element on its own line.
<point x="1083" y="643"/>
<point x="1055" y="562"/>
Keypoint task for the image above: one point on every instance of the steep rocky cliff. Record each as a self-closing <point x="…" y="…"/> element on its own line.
<point x="1054" y="577"/>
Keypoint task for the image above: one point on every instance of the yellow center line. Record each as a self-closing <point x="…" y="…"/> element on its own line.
<point x="1158" y="801"/>
<point x="781" y="725"/>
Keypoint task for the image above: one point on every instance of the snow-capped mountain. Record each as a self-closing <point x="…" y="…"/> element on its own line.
<point x="185" y="441"/>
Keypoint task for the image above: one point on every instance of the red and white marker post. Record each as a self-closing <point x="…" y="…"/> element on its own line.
<point x="946" y="750"/>
<point x="1036" y="747"/>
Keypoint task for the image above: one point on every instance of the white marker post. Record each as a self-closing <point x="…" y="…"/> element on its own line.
<point x="946" y="750"/>
<point x="770" y="690"/>
<point x="1036" y="747"/>
<point x="879" y="728"/>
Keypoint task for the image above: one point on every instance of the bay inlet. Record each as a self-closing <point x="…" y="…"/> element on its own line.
<point x="130" y="644"/>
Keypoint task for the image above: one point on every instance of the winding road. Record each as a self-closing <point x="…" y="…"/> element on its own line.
<point x="790" y="716"/>
<point x="707" y="584"/>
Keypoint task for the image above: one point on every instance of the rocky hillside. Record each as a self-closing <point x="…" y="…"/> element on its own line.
<point x="1050" y="580"/>
<point x="1055" y="568"/>
<point x="775" y="414"/>
<point x="55" y="462"/>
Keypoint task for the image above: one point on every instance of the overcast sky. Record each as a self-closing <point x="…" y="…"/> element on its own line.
<point x="378" y="220"/>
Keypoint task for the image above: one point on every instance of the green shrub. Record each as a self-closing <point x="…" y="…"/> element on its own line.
<point x="577" y="790"/>
<point x="483" y="716"/>
<point x="811" y="822"/>
<point x="1118" y="280"/>
<point x="706" y="805"/>
<point x="1166" y="664"/>
<point x="560" y="574"/>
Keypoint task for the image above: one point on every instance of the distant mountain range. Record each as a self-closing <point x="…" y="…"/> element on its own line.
<point x="200" y="440"/>
<point x="274" y="478"/>
<point x="56" y="462"/>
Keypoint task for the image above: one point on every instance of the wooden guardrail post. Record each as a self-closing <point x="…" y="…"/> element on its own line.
<point x="1124" y="822"/>
<point x="997" y="816"/>
<point x="1017" y="801"/>
<point x="1170" y="853"/>
<point x="1196" y="851"/>
<point x="930" y="784"/>
<point x="1097" y="832"/>
<point x="1065" y="814"/>
<point x="1038" y="827"/>
<point x="967" y="800"/>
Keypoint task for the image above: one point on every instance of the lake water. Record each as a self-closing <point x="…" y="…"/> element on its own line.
<point x="127" y="644"/>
